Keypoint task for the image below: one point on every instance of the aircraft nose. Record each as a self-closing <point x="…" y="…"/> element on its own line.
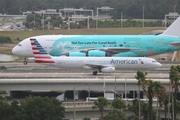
<point x="159" y="65"/>
<point x="15" y="51"/>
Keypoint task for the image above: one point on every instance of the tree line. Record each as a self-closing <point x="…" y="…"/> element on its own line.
<point x="154" y="9"/>
<point x="31" y="108"/>
<point x="34" y="21"/>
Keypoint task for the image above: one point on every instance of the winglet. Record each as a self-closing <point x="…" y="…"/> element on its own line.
<point x="40" y="55"/>
<point x="173" y="29"/>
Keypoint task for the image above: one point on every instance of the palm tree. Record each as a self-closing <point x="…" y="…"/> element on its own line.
<point x="165" y="103"/>
<point x="86" y="118"/>
<point x="160" y="92"/>
<point x="135" y="106"/>
<point x="115" y="114"/>
<point x="141" y="77"/>
<point x="174" y="77"/>
<point x="154" y="89"/>
<point x="100" y="104"/>
<point x="118" y="103"/>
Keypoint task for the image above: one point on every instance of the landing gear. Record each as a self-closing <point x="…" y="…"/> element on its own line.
<point x="25" y="61"/>
<point x="146" y="73"/>
<point x="94" y="72"/>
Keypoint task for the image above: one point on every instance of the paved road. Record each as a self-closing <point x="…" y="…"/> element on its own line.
<point x="7" y="26"/>
<point x="78" y="75"/>
<point x="33" y="70"/>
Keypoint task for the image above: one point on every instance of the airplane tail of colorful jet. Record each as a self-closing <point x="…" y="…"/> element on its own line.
<point x="40" y="55"/>
<point x="173" y="29"/>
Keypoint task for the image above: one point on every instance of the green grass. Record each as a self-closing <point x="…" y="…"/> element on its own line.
<point x="25" y="34"/>
<point x="152" y="20"/>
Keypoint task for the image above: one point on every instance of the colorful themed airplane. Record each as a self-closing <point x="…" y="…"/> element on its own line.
<point x="105" y="45"/>
<point x="97" y="64"/>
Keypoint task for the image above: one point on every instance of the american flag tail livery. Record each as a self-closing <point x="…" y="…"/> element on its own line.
<point x="40" y="55"/>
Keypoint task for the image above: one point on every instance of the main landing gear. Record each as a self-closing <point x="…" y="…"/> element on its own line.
<point x="25" y="61"/>
<point x="146" y="73"/>
<point x="94" y="72"/>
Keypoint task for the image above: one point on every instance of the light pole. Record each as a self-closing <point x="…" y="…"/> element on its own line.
<point x="121" y="19"/>
<point x="9" y="8"/>
<point x="43" y="6"/>
<point x="54" y="5"/>
<point x="174" y="11"/>
<point x="33" y="7"/>
<point x="20" y="9"/>
<point x="88" y="22"/>
<point x="139" y="101"/>
<point x="34" y="20"/>
<point x="74" y="111"/>
<point x="1" y="10"/>
<point x="96" y="21"/>
<point x="143" y="16"/>
<point x="102" y="8"/>
<point x="85" y="7"/>
<point x="43" y="20"/>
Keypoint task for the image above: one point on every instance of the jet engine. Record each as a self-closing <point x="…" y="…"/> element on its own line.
<point x="107" y="70"/>
<point x="97" y="53"/>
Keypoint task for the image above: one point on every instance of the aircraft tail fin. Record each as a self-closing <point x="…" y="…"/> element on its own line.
<point x="173" y="29"/>
<point x="40" y="55"/>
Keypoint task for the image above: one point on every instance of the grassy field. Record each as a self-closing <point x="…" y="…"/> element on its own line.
<point x="15" y="35"/>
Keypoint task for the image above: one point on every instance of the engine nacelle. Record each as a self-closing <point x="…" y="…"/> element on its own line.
<point x="81" y="54"/>
<point x="31" y="59"/>
<point x="97" y="53"/>
<point x="107" y="70"/>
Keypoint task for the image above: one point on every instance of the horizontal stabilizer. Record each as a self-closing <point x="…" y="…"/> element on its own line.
<point x="175" y="44"/>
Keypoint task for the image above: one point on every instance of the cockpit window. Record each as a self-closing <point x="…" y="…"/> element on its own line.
<point x="153" y="61"/>
<point x="19" y="45"/>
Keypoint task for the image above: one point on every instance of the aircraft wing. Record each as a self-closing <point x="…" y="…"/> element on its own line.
<point x="111" y="51"/>
<point x="115" y="50"/>
<point x="98" y="66"/>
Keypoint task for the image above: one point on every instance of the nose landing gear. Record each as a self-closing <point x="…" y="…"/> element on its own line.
<point x="25" y="61"/>
<point x="94" y="72"/>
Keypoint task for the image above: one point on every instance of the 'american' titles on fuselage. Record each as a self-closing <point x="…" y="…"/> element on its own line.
<point x="124" y="61"/>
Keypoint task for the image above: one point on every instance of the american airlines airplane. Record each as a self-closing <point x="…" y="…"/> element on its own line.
<point x="97" y="64"/>
<point x="105" y="45"/>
